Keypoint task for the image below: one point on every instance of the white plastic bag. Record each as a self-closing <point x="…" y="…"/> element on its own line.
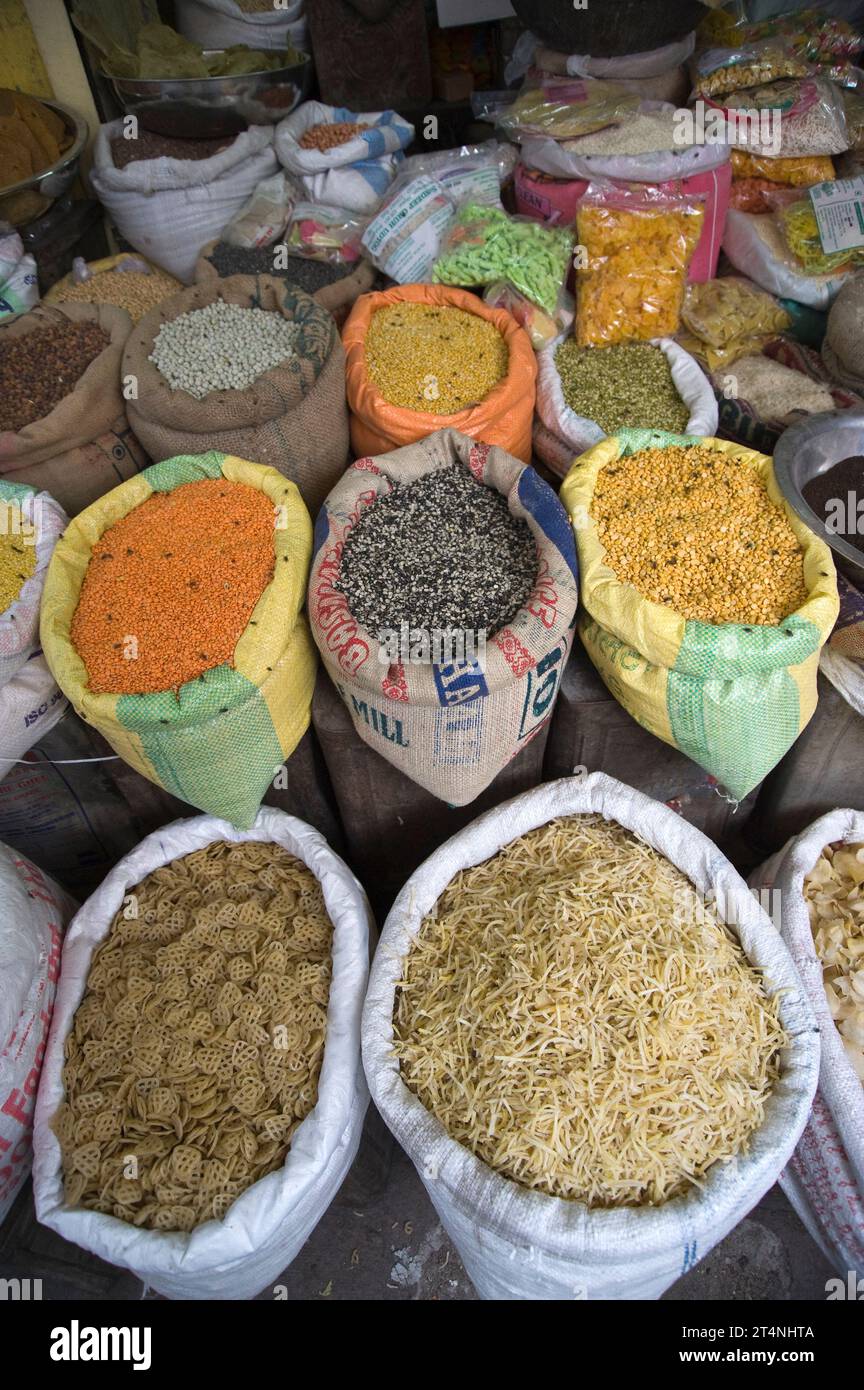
<point x="658" y="166"/>
<point x="221" y="23"/>
<point x="19" y="283"/>
<point x="355" y="174"/>
<point x="33" y="914"/>
<point x="653" y="62"/>
<point x="265" y="1227"/>
<point x="522" y="1244"/>
<point x="169" y="208"/>
<point x="755" y="247"/>
<point x="30" y="701"/>
<point x="825" y="1179"/>
<point x="576" y="433"/>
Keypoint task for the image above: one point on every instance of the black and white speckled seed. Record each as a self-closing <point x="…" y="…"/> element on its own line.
<point x="443" y="552"/>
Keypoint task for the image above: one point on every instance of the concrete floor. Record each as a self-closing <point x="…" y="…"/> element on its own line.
<point x="381" y="1239"/>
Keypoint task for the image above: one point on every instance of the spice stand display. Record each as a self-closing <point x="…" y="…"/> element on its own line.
<point x="444" y="563"/>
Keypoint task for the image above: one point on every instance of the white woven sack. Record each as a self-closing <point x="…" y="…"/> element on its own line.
<point x="521" y="1244"/>
<point x="355" y="174"/>
<point x="33" y="913"/>
<point x="753" y="257"/>
<point x="169" y="208"/>
<point x="221" y="23"/>
<point x="265" y="1227"/>
<point x="30" y="701"/>
<point x="825" y="1179"/>
<point x="653" y="62"/>
<point x="577" y="433"/>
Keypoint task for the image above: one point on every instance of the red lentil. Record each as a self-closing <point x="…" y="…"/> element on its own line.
<point x="170" y="589"/>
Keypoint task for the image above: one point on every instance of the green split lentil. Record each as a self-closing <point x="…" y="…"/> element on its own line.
<point x="434" y="358"/>
<point x="695" y="529"/>
<point x="626" y="386"/>
<point x="17" y="559"/>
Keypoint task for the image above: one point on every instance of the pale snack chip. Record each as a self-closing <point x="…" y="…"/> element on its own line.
<point x="835" y="902"/>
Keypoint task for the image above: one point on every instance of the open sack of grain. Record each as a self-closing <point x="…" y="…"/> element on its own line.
<point x="342" y="158"/>
<point x="442" y="596"/>
<point x="336" y="286"/>
<point x="203" y="1158"/>
<point x="172" y="617"/>
<point x="654" y="385"/>
<point x="34" y="912"/>
<point x="249" y="366"/>
<point x="63" y="425"/>
<point x="30" y="701"/>
<point x="630" y="1075"/>
<point x="705" y="601"/>
<point x="816" y="881"/>
<point x="420" y="358"/>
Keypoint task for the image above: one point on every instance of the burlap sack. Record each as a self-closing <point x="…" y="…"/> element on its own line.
<point x="293" y="417"/>
<point x="339" y="297"/>
<point x="449" y="727"/>
<point x="84" y="446"/>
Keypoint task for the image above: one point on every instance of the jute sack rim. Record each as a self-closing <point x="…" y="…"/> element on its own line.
<point x="262" y="645"/>
<point x="520" y="1215"/>
<point x="370" y="405"/>
<point x="361" y="276"/>
<point x="91" y="407"/>
<point x="271" y="395"/>
<point x="655" y="630"/>
<point x="372" y="475"/>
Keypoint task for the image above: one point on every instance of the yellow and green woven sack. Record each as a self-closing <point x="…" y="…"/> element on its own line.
<point x="217" y="741"/>
<point x="732" y="697"/>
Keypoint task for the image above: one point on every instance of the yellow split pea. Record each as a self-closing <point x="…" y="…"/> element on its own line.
<point x="434" y="358"/>
<point x="17" y="556"/>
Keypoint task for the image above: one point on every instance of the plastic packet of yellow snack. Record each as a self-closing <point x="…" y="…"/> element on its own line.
<point x="636" y="244"/>
<point x="729" y="309"/>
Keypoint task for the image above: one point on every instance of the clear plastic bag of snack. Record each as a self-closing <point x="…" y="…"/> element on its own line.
<point x="715" y="358"/>
<point x="799" y="172"/>
<point x="566" y="107"/>
<point x="750" y="195"/>
<point x="853" y="105"/>
<point x="637" y="243"/>
<point x="811" y="33"/>
<point x="542" y="328"/>
<point x="325" y="234"/>
<point x="720" y="311"/>
<point x="484" y="244"/>
<point x="800" y="229"/>
<point x="722" y="70"/>
<point x="788" y="119"/>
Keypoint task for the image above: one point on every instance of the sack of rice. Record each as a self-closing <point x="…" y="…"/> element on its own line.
<point x="591" y="1042"/>
<point x="63" y="425"/>
<point x="816" y="880"/>
<point x="166" y="206"/>
<point x="248" y="366"/>
<point x="173" y="619"/>
<point x="30" y="701"/>
<point x="442" y="597"/>
<point x="708" y="632"/>
<point x="33" y="915"/>
<point x="585" y="394"/>
<point x="203" y="1159"/>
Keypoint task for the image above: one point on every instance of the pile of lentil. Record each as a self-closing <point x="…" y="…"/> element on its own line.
<point x="180" y="576"/>
<point x="692" y="528"/>
<point x="443" y="552"/>
<point x="132" y="290"/>
<point x="326" y="135"/>
<point x="148" y="145"/>
<point x="260" y="260"/>
<point x="628" y="385"/>
<point x="39" y="369"/>
<point x="17" y="559"/>
<point x="434" y="358"/>
<point x="221" y="347"/>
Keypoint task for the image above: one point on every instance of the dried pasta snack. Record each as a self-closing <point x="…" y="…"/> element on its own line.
<point x="729" y="309"/>
<point x="722" y="70"/>
<point x="800" y="171"/>
<point x="638" y="244"/>
<point x="197" y="1046"/>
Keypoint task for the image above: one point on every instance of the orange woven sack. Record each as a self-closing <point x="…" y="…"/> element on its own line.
<point x="503" y="418"/>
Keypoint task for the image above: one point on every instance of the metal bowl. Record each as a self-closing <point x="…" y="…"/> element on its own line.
<point x="21" y="202"/>
<point x="805" y="451"/>
<point x="205" y="108"/>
